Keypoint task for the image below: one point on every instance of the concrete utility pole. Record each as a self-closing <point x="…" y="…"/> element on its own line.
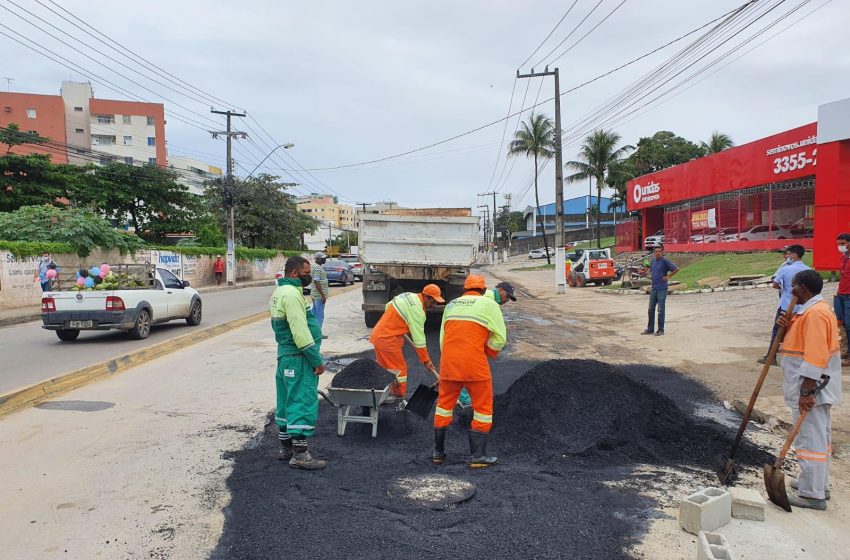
<point x="486" y="221"/>
<point x="560" y="273"/>
<point x="229" y="194"/>
<point x="493" y="221"/>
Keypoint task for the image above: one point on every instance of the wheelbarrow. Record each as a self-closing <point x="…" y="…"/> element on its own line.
<point x="346" y="399"/>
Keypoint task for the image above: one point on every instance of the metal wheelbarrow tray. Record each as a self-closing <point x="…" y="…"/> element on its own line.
<point x="345" y="399"/>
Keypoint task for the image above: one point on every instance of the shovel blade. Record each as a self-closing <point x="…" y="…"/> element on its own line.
<point x="422" y="401"/>
<point x="774" y="482"/>
<point x="727" y="472"/>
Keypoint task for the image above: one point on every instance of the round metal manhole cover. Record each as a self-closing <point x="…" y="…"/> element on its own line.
<point x="432" y="491"/>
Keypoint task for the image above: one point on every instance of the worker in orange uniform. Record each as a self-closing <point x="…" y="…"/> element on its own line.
<point x="473" y="329"/>
<point x="404" y="314"/>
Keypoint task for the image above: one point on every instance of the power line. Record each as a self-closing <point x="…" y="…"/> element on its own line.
<point x="570" y="34"/>
<point x="543" y="42"/>
<point x="571" y="47"/>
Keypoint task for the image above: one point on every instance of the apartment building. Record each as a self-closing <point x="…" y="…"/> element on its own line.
<point x="36" y="114"/>
<point x="324" y="207"/>
<point x="193" y="173"/>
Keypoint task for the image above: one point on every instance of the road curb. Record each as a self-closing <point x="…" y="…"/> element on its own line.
<point x="25" y="397"/>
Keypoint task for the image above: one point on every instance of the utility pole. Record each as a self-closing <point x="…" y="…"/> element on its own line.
<point x="229" y="194"/>
<point x="492" y="223"/>
<point x="486" y="221"/>
<point x="560" y="272"/>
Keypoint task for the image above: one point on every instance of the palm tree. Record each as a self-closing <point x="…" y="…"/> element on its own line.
<point x="599" y="154"/>
<point x="717" y="143"/>
<point x="535" y="139"/>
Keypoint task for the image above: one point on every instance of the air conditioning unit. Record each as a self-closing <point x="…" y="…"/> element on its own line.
<point x="7" y="109"/>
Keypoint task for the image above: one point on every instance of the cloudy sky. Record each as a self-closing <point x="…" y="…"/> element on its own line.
<point x="350" y="82"/>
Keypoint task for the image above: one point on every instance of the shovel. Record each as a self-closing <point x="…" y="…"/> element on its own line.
<point x="729" y="466"/>
<point x="774" y="478"/>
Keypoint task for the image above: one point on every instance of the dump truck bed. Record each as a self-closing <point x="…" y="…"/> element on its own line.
<point x="433" y="241"/>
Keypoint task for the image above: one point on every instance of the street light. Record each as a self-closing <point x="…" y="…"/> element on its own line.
<point x="276" y="148"/>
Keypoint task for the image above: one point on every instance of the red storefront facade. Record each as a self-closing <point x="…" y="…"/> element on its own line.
<point x="791" y="187"/>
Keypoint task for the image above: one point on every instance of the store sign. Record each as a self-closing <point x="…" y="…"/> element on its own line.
<point x="18" y="273"/>
<point x="704" y="219"/>
<point x="170" y="261"/>
<point x="799" y="159"/>
<point x="646" y="193"/>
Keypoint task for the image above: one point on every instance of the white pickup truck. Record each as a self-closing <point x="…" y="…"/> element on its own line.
<point x="157" y="297"/>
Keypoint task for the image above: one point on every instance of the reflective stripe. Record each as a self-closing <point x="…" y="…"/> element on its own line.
<point x="483" y="418"/>
<point x="790" y="352"/>
<point x="280" y="419"/>
<point x="443" y="412"/>
<point x="301" y="427"/>
<point x="812" y="459"/>
<point x="401" y="378"/>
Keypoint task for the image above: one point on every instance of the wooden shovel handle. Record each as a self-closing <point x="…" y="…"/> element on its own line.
<point x="432" y="371"/>
<point x="771" y="355"/>
<point x="794" y="431"/>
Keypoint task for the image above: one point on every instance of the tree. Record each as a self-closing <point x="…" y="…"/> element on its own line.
<point x="535" y="139"/>
<point x="82" y="229"/>
<point x="345" y="241"/>
<point x="12" y="136"/>
<point x="508" y="223"/>
<point x="265" y="214"/>
<point x="662" y="150"/>
<point x="32" y="180"/>
<point x="598" y="153"/>
<point x="619" y="173"/>
<point x="147" y="196"/>
<point x="717" y="143"/>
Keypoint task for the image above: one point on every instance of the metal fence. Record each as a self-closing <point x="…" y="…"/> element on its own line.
<point x="522" y="246"/>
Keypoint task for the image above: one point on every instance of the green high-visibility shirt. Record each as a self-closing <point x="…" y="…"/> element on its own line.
<point x="295" y="328"/>
<point x="409" y="307"/>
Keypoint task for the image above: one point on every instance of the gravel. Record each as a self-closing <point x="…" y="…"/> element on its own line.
<point x="364" y="373"/>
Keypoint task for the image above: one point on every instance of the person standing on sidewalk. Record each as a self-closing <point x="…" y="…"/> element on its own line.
<point x="810" y="351"/>
<point x="321" y="285"/>
<point x="299" y="365"/>
<point x="841" y="302"/>
<point x="661" y="270"/>
<point x="40" y="275"/>
<point x="782" y="281"/>
<point x="218" y="269"/>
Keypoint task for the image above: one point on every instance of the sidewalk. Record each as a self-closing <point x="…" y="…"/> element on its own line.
<point x="27" y="314"/>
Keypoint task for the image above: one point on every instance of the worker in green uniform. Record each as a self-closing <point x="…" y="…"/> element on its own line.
<point x="299" y="365"/>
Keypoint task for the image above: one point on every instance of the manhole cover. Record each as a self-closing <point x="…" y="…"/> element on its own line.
<point x="432" y="491"/>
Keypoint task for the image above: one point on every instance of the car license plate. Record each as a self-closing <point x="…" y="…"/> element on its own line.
<point x="80" y="324"/>
<point x="603" y="265"/>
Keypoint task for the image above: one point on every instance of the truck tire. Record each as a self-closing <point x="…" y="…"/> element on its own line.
<point x="68" y="335"/>
<point x="581" y="281"/>
<point x="142" y="328"/>
<point x="607" y="282"/>
<point x="372" y="318"/>
<point x="196" y="312"/>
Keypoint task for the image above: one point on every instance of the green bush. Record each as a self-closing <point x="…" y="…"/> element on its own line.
<point x="35" y="248"/>
<point x="243" y="253"/>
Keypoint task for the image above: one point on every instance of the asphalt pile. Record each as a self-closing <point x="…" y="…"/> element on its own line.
<point x="596" y="411"/>
<point x="364" y="373"/>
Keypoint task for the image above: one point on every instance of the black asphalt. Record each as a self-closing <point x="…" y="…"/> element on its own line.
<point x="543" y="500"/>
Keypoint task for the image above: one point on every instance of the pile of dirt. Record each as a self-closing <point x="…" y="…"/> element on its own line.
<point x="364" y="373"/>
<point x="589" y="409"/>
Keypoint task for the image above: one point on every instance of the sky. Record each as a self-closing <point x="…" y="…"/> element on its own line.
<point x="350" y="82"/>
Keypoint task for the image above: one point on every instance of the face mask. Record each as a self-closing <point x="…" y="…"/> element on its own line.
<point x="789" y="260"/>
<point x="842" y="248"/>
<point x="45" y="259"/>
<point x="306" y="279"/>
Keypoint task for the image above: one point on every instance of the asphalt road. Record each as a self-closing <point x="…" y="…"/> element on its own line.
<point x="29" y="354"/>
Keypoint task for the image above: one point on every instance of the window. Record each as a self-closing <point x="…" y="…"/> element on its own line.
<point x="128" y="140"/>
<point x="169" y="279"/>
<point x="99" y="140"/>
<point x="151" y="121"/>
<point x="31" y="113"/>
<point x="78" y="109"/>
<point x="79" y="130"/>
<point x="127" y="119"/>
<point x="128" y="160"/>
<point x="106" y="119"/>
<point x="151" y="141"/>
<point x="152" y="161"/>
<point x="105" y="160"/>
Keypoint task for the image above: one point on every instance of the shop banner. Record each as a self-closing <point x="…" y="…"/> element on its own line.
<point x="17" y="273"/>
<point x="704" y="219"/>
<point x="169" y="260"/>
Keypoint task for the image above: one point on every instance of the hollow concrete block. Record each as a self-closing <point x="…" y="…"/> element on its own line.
<point x="747" y="504"/>
<point x="713" y="546"/>
<point x="706" y="510"/>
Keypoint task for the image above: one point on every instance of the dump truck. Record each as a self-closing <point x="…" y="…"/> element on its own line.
<point x="405" y="249"/>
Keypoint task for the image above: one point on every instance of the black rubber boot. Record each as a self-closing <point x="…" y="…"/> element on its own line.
<point x="478" y="451"/>
<point x="285" y="449"/>
<point x="301" y="458"/>
<point x="439" y="446"/>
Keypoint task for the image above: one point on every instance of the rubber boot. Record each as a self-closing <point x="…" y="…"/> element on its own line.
<point x="439" y="454"/>
<point x="285" y="449"/>
<point x="301" y="458"/>
<point x="794" y="485"/>
<point x="478" y="451"/>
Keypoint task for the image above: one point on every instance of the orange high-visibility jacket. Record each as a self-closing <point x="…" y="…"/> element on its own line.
<point x="813" y="335"/>
<point x="388" y="333"/>
<point x="473" y="328"/>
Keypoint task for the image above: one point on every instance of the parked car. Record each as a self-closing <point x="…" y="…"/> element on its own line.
<point x="761" y="233"/>
<point x="712" y="235"/>
<point x="537" y="254"/>
<point x="356" y="265"/>
<point x="654" y="240"/>
<point x="339" y="272"/>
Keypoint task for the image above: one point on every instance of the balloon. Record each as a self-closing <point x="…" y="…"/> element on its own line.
<point x="81" y="281"/>
<point x="89" y="282"/>
<point x="103" y="273"/>
<point x="84" y="273"/>
<point x="105" y="268"/>
<point x="95" y="271"/>
<point x="42" y="276"/>
<point x="51" y="274"/>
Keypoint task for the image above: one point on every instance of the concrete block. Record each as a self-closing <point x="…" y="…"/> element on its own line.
<point x="713" y="546"/>
<point x="747" y="504"/>
<point x="706" y="510"/>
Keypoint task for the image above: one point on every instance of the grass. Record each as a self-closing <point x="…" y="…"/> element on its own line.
<point x="606" y="242"/>
<point x="537" y="267"/>
<point x="728" y="264"/>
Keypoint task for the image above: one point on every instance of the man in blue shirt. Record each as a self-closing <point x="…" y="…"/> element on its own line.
<point x="661" y="270"/>
<point x="782" y="282"/>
